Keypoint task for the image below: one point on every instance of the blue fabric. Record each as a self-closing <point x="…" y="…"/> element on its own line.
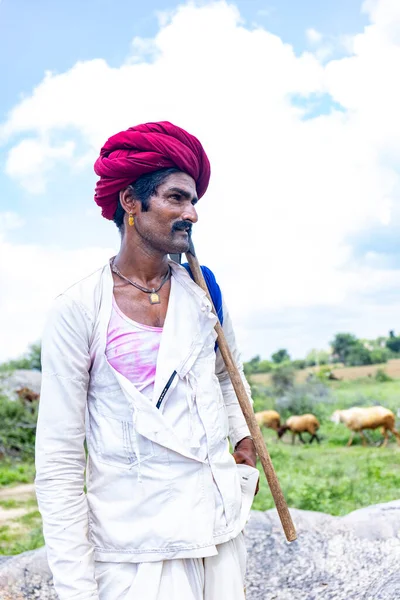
<point x="213" y="288"/>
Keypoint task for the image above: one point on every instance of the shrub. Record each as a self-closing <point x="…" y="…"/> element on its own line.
<point x="264" y="366"/>
<point x="17" y="427"/>
<point x="379" y="356"/>
<point x="312" y="397"/>
<point x="282" y="378"/>
<point x="382" y="376"/>
<point x="299" y="363"/>
<point x="359" y="355"/>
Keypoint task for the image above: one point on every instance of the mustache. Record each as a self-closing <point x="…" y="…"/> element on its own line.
<point x="182" y="225"/>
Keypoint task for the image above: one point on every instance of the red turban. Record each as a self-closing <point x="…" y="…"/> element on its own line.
<point x="143" y="149"/>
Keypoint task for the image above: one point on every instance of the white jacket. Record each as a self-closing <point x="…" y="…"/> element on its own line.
<point x="150" y="495"/>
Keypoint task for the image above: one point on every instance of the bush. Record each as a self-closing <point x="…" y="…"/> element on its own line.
<point x="313" y="397"/>
<point x="358" y="356"/>
<point x="264" y="366"/>
<point x="17" y="428"/>
<point x="382" y="376"/>
<point x="379" y="356"/>
<point x="299" y="363"/>
<point x="282" y="378"/>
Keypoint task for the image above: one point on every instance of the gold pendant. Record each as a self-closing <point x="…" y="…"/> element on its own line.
<point x="154" y="298"/>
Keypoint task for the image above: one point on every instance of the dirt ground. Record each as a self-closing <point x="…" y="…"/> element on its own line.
<point x="18" y="493"/>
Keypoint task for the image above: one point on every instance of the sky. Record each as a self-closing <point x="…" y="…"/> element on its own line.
<point x="296" y="104"/>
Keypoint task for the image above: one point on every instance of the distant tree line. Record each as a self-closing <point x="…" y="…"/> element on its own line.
<point x="30" y="360"/>
<point x="345" y="349"/>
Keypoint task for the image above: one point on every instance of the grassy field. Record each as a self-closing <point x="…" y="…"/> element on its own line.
<point x="328" y="478"/>
<point x="392" y="368"/>
<point x="20" y="521"/>
<point x="22" y="530"/>
<point x="331" y="477"/>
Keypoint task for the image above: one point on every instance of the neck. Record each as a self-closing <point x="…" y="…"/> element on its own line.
<point x="141" y="263"/>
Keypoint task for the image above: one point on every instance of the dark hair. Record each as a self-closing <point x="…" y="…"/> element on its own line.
<point x="142" y="190"/>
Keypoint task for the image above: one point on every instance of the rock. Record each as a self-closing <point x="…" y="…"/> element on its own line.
<point x="355" y="557"/>
<point x="15" y="380"/>
<point x="26" y="576"/>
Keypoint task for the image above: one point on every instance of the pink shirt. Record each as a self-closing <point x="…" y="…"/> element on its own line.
<point x="132" y="349"/>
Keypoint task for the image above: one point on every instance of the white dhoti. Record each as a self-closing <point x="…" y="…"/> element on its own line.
<point x="212" y="578"/>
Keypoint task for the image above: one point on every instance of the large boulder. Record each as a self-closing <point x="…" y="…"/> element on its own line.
<point x="26" y="576"/>
<point x="355" y="557"/>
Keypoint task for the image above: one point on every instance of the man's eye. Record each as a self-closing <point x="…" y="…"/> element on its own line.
<point x="175" y="197"/>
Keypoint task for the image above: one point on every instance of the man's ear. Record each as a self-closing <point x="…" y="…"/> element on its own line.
<point x="128" y="202"/>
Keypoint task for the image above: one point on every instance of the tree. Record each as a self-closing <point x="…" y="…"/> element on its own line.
<point x="252" y="365"/>
<point x="280" y="356"/>
<point x="358" y="355"/>
<point x="393" y="343"/>
<point x="30" y="360"/>
<point x="342" y="346"/>
<point x="379" y="355"/>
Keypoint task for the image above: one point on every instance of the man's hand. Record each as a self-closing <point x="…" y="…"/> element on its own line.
<point x="245" y="454"/>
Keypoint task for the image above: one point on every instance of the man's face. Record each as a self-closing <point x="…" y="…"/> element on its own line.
<point x="167" y="224"/>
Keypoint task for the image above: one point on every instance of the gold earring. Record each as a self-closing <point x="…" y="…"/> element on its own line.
<point x="131" y="220"/>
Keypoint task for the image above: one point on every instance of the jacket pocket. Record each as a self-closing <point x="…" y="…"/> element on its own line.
<point x="115" y="441"/>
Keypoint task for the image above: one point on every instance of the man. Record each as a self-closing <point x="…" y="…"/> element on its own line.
<point x="130" y="366"/>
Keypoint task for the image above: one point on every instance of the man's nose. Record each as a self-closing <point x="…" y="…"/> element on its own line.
<point x="190" y="214"/>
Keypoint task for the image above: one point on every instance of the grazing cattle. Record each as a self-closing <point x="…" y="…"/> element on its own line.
<point x="299" y="424"/>
<point x="268" y="418"/>
<point x="358" y="418"/>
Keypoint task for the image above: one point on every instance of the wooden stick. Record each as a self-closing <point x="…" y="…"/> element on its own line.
<point x="247" y="409"/>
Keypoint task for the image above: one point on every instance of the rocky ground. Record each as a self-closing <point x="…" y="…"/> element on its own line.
<point x="356" y="557"/>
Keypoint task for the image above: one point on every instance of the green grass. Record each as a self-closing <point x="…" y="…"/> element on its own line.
<point x="24" y="533"/>
<point x="332" y="478"/>
<point x="16" y="472"/>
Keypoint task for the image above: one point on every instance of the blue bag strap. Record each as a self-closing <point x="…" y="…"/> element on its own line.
<point x="213" y="288"/>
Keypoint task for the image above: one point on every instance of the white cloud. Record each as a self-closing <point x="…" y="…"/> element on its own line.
<point x="266" y="12"/>
<point x="31" y="277"/>
<point x="313" y="36"/>
<point x="32" y="160"/>
<point x="287" y="194"/>
<point x="9" y="221"/>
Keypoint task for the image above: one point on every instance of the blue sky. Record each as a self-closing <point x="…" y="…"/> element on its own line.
<point x="323" y="181"/>
<point x="45" y="35"/>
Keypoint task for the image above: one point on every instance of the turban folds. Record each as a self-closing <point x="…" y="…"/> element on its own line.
<point x="143" y="149"/>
